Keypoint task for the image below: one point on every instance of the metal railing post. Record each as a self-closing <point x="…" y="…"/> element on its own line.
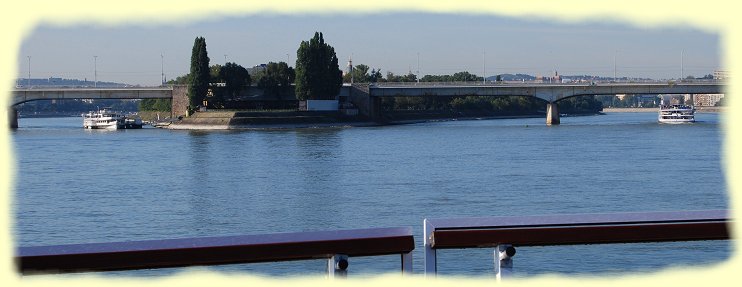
<point x="407" y="263"/>
<point x="337" y="266"/>
<point x="503" y="257"/>
<point x="430" y="260"/>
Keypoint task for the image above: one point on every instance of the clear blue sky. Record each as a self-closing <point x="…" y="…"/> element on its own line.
<point x="445" y="43"/>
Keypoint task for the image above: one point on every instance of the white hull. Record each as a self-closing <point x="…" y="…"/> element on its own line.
<point x="676" y="114"/>
<point x="103" y="119"/>
<point x="676" y="121"/>
<point x="101" y="127"/>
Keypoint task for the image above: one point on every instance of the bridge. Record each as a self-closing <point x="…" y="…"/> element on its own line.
<point x="20" y="96"/>
<point x="369" y="101"/>
<point x="25" y="95"/>
<point x="551" y="93"/>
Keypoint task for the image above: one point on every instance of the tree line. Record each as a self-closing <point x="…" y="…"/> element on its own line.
<point x="490" y="105"/>
<point x="317" y="76"/>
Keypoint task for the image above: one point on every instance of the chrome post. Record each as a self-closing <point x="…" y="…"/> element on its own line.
<point x="337" y="266"/>
<point x="430" y="260"/>
<point x="503" y="256"/>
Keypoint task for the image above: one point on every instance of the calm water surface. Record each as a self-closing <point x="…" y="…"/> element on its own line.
<point x="80" y="186"/>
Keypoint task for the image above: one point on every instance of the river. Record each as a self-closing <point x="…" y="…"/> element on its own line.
<point x="82" y="186"/>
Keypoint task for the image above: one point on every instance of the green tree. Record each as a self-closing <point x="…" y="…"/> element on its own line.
<point x="214" y="74"/>
<point x="276" y="79"/>
<point x="318" y="75"/>
<point x="359" y="74"/>
<point x="235" y="78"/>
<point x="410" y="77"/>
<point x="180" y="80"/>
<point x="198" y="83"/>
<point x="465" y="77"/>
<point x="160" y="105"/>
<point x="375" y="76"/>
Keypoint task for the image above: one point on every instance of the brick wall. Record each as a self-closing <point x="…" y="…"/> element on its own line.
<point x="180" y="100"/>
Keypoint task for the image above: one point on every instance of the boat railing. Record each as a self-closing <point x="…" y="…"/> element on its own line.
<point x="336" y="246"/>
<point x="502" y="233"/>
<point x="506" y="233"/>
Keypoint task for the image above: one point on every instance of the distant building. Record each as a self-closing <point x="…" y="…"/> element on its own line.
<point x="721" y="75"/>
<point x="350" y="66"/>
<point x="556" y="78"/>
<point x="257" y="69"/>
<point x="707" y="100"/>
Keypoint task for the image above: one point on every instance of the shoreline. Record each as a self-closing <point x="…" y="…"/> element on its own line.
<point x="194" y="124"/>
<point x="654" y="110"/>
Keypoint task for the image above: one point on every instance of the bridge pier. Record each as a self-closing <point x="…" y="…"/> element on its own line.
<point x="375" y="108"/>
<point x="13" y="117"/>
<point x="552" y="113"/>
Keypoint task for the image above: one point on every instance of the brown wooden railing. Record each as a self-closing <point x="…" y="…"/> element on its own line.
<point x="217" y="251"/>
<point x="506" y="232"/>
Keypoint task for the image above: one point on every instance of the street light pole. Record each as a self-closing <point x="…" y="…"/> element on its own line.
<point x="162" y="68"/>
<point x="418" y="67"/>
<point x="681" y="63"/>
<point x="484" y="67"/>
<point x="29" y="72"/>
<point x="614" y="66"/>
<point x="95" y="75"/>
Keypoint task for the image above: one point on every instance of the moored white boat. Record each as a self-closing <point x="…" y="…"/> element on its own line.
<point x="103" y="119"/>
<point x="106" y="119"/>
<point x="676" y="114"/>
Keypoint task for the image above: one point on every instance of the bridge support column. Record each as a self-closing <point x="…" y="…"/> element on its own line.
<point x="375" y="108"/>
<point x="13" y="118"/>
<point x="552" y="113"/>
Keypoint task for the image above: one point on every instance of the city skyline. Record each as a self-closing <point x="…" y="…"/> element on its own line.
<point x="421" y="43"/>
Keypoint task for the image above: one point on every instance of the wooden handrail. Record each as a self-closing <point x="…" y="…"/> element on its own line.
<point x="545" y="230"/>
<point x="214" y="250"/>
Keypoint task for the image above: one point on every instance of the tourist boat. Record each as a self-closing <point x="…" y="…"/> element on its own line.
<point x="106" y="119"/>
<point x="676" y="114"/>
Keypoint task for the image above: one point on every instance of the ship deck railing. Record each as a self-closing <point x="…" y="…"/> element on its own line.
<point x="335" y="246"/>
<point x="505" y="233"/>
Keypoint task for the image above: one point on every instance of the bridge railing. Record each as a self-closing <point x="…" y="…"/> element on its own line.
<point x="335" y="246"/>
<point x="506" y="233"/>
<point x="546" y="83"/>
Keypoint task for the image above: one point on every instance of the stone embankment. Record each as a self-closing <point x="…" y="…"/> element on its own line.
<point x="224" y="120"/>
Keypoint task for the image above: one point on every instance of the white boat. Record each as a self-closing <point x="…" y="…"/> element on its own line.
<point x="103" y="119"/>
<point x="676" y="114"/>
<point x="106" y="119"/>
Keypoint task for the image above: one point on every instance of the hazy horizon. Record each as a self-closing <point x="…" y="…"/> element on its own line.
<point x="392" y="42"/>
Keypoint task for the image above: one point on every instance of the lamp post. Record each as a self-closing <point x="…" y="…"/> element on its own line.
<point x="614" y="65"/>
<point x="29" y="72"/>
<point x="484" y="67"/>
<point x="681" y="64"/>
<point x="418" y="67"/>
<point x="162" y="69"/>
<point x="95" y="74"/>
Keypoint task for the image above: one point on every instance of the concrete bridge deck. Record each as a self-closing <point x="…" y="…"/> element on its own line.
<point x="20" y="96"/>
<point x="370" y="99"/>
<point x="24" y="95"/>
<point x="551" y="93"/>
<point x="546" y="92"/>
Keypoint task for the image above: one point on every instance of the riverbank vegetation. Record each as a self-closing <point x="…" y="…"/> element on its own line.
<point x="317" y="76"/>
<point x="483" y="106"/>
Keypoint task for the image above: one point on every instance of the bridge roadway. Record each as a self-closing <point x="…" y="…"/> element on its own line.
<point x="551" y="93"/>
<point x="24" y="95"/>
<point x="20" y="96"/>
